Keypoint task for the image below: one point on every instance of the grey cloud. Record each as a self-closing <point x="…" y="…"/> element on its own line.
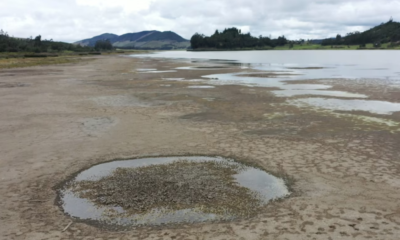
<point x="69" y="20"/>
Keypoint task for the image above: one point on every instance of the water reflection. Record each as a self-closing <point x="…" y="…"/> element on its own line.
<point x="378" y="107"/>
<point x="312" y="64"/>
<point x="281" y="70"/>
<point x="292" y="92"/>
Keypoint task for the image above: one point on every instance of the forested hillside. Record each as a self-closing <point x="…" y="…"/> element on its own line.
<point x="385" y="33"/>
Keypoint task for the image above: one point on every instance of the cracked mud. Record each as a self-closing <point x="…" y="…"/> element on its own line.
<point x="345" y="163"/>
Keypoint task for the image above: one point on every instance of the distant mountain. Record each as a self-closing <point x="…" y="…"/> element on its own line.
<point x="92" y="41"/>
<point x="141" y="40"/>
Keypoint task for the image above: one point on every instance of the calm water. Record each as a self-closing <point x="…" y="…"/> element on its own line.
<point x="337" y="64"/>
<point x="378" y="107"/>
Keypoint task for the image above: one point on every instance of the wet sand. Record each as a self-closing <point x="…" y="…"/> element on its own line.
<point x="57" y="120"/>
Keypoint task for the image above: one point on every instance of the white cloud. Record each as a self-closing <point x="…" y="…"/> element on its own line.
<point x="71" y="20"/>
<point x="127" y="5"/>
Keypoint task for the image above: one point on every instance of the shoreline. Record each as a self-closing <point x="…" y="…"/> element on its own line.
<point x="307" y="49"/>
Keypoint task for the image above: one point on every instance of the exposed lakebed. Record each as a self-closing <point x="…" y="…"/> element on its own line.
<point x="168" y="190"/>
<point x="301" y="76"/>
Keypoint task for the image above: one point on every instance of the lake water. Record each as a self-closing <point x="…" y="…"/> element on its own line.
<point x="378" y="107"/>
<point x="382" y="64"/>
<point x="278" y="68"/>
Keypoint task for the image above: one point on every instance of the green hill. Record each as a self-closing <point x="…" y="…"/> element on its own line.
<point x="384" y="33"/>
<point x="141" y="40"/>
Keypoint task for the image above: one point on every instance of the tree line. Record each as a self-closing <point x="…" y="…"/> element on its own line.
<point x="37" y="45"/>
<point x="103" y="45"/>
<point x="233" y="38"/>
<point x="384" y="33"/>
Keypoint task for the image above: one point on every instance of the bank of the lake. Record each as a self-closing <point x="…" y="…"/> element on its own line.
<point x="304" y="47"/>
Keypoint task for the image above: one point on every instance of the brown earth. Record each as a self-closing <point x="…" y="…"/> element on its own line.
<point x="69" y="117"/>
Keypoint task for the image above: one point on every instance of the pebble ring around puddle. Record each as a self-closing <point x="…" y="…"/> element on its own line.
<point x="168" y="190"/>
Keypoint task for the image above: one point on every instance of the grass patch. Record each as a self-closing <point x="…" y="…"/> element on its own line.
<point x="6" y="63"/>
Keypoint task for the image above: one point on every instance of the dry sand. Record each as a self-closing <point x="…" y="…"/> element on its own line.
<point x="57" y="120"/>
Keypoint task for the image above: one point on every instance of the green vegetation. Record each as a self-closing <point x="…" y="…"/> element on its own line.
<point x="22" y="52"/>
<point x="19" y="62"/>
<point x="233" y="38"/>
<point x="384" y="36"/>
<point x="27" y="59"/>
<point x="386" y="33"/>
<point x="36" y="45"/>
<point x="103" y="45"/>
<point x="311" y="46"/>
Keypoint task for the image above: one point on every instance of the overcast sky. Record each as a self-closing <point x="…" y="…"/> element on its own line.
<point x="72" y="20"/>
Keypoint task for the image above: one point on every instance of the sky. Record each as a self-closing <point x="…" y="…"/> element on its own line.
<point x="73" y="20"/>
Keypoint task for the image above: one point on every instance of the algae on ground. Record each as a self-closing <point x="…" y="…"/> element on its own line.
<point x="207" y="186"/>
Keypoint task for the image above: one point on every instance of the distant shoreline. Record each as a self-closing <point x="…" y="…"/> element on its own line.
<point x="286" y="49"/>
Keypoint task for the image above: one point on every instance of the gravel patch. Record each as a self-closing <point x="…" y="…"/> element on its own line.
<point x="175" y="186"/>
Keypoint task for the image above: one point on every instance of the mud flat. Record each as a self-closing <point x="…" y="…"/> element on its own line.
<point x="59" y="121"/>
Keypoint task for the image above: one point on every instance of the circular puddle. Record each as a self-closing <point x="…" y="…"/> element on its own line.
<point x="168" y="190"/>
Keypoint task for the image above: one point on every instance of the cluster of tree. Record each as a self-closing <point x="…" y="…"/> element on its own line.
<point x="12" y="44"/>
<point x="103" y="45"/>
<point x="352" y="38"/>
<point x="384" y="33"/>
<point x="233" y="38"/>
